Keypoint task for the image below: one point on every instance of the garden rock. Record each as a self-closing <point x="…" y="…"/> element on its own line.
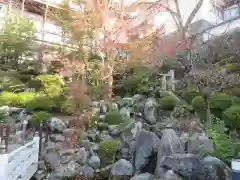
<point x="122" y="168"/>
<point x="125" y="102"/>
<point x="212" y="168"/>
<point x="57" y="124"/>
<point x="82" y="156"/>
<point x="103" y="107"/>
<point x="145" y="145"/>
<point x="114" y="130"/>
<point x="68" y="170"/>
<point x="125" y="112"/>
<point x="182" y="164"/>
<point x="136" y="98"/>
<point x="68" y="132"/>
<point x="170" y="144"/>
<point x="94" y="162"/>
<point x="52" y="160"/>
<point x="57" y="138"/>
<point x="170" y="175"/>
<point x="87" y="171"/>
<point x="144" y="176"/>
<point x="150" y="110"/>
<point x="198" y="143"/>
<point x="104" y="135"/>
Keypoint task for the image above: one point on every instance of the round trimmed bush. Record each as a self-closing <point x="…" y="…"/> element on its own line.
<point x="232" y="117"/>
<point x="220" y="102"/>
<point x="113" y="118"/>
<point x="107" y="150"/>
<point x="190" y="94"/>
<point x="198" y="104"/>
<point x="168" y="103"/>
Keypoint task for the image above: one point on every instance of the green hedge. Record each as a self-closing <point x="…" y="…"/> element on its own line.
<point x="52" y="84"/>
<point x="31" y="100"/>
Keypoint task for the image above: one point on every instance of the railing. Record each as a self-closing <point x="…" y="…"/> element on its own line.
<point x="21" y="163"/>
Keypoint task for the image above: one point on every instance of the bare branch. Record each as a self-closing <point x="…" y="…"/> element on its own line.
<point x="179" y="16"/>
<point x="193" y="13"/>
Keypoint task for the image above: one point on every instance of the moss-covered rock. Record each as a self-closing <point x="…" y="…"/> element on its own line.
<point x="107" y="151"/>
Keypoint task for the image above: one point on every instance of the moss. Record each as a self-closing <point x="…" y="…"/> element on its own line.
<point x="107" y="151"/>
<point x="114" y="118"/>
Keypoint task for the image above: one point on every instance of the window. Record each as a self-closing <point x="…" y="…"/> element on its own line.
<point x="231" y="12"/>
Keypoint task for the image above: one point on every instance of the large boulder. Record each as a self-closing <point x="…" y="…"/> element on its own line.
<point x="150" y="110"/>
<point x="212" y="168"/>
<point x="169" y="144"/>
<point x="122" y="168"/>
<point x="198" y="143"/>
<point x="57" y="125"/>
<point x="144" y="156"/>
<point x="182" y="164"/>
<point x="144" y="176"/>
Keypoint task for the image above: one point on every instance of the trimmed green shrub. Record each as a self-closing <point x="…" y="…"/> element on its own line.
<point x="95" y="120"/>
<point x="107" y="151"/>
<point x="231" y="117"/>
<point x="16" y="99"/>
<point x="198" y="104"/>
<point x="52" y="84"/>
<point x="234" y="91"/>
<point x="102" y="126"/>
<point x="113" y="118"/>
<point x="220" y="102"/>
<point x="41" y="103"/>
<point x="235" y="100"/>
<point x="190" y="94"/>
<point x="37" y="117"/>
<point x="168" y="103"/>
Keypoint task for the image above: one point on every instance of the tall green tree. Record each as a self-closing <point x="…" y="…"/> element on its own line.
<point x="17" y="38"/>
